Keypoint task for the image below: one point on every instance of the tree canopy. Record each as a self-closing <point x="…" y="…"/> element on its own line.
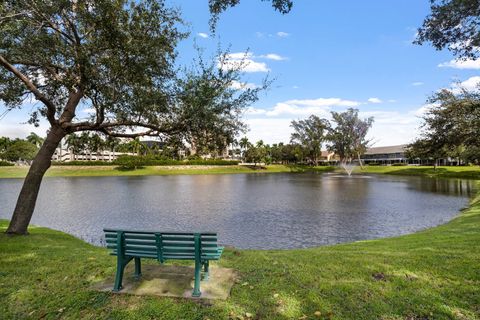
<point x="115" y="59"/>
<point x="455" y="25"/>
<point x="347" y="137"/>
<point x="451" y="127"/>
<point x="218" y="6"/>
<point x="310" y="133"/>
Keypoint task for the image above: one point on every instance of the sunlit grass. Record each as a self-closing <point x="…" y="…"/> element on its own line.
<point x="94" y="171"/>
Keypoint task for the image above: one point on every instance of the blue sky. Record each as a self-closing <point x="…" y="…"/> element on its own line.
<point x="324" y="55"/>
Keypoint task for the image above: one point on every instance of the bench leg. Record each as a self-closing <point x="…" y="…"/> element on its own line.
<point x="205" y="270"/>
<point x="119" y="275"/>
<point x="138" y="268"/>
<point x="196" y="287"/>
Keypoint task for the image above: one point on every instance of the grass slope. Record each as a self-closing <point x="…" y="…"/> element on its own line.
<point x="96" y="171"/>
<point x="433" y="274"/>
<point x="468" y="172"/>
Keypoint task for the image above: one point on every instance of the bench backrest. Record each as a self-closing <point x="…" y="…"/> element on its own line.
<point x="163" y="245"/>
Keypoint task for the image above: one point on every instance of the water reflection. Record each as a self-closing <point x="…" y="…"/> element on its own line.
<point x="248" y="211"/>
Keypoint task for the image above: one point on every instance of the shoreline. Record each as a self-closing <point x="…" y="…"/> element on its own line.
<point x="467" y="172"/>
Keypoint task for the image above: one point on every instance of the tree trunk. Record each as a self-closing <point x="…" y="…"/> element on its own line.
<point x="31" y="185"/>
<point x="360" y="161"/>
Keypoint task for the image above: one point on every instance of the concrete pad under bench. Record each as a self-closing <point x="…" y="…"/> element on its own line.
<point x="173" y="281"/>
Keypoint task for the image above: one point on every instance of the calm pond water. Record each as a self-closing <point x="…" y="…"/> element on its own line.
<point x="263" y="211"/>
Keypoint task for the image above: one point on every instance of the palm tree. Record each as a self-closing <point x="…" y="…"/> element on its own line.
<point x="95" y="143"/>
<point x="244" y="145"/>
<point x="135" y="146"/>
<point x="73" y="143"/>
<point x="35" y="139"/>
<point x="112" y="144"/>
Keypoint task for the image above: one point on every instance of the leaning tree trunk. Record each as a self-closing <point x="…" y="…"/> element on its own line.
<point x="31" y="185"/>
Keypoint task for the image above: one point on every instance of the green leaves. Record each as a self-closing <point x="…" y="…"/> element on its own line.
<point x="453" y="24"/>
<point x="451" y="127"/>
<point x="310" y="134"/>
<point x="348" y="135"/>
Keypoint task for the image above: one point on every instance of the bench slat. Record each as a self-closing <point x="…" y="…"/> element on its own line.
<point x="131" y="236"/>
<point x="141" y="248"/>
<point x="167" y="250"/>
<point x="177" y="238"/>
<point x="177" y="244"/>
<point x="141" y="242"/>
<point x="137" y="254"/>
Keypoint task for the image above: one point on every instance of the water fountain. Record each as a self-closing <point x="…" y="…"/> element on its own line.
<point x="348" y="167"/>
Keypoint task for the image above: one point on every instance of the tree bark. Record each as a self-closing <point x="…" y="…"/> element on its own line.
<point x="31" y="185"/>
<point x="360" y="161"/>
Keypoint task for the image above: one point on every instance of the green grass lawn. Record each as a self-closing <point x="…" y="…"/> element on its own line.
<point x="467" y="172"/>
<point x="96" y="171"/>
<point x="433" y="274"/>
<point x="472" y="172"/>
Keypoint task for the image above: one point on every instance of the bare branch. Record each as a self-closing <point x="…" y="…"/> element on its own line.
<point x="15" y="15"/>
<point x="38" y="95"/>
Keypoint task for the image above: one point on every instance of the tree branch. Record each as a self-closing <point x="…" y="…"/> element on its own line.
<point x="38" y="95"/>
<point x="151" y="133"/>
<point x="50" y="23"/>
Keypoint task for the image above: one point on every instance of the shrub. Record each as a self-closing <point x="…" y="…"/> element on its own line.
<point x="128" y="162"/>
<point x="125" y="161"/>
<point x="83" y="163"/>
<point x="5" y="164"/>
<point x="398" y="164"/>
<point x="152" y="161"/>
<point x="374" y="164"/>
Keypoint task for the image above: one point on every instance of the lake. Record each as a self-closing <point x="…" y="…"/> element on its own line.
<point x="261" y="211"/>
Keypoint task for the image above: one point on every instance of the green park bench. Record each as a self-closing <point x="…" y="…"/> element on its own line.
<point x="163" y="246"/>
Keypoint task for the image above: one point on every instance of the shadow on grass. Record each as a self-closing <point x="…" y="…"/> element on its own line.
<point x="305" y="168"/>
<point x="124" y="169"/>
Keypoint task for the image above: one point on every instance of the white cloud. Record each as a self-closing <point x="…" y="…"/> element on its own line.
<point x="269" y="130"/>
<point x="471" y="84"/>
<point x="304" y="107"/>
<point x="243" y="85"/>
<point x="374" y="100"/>
<point x="424" y="109"/>
<point x="392" y="100"/>
<point x="89" y="110"/>
<point x="243" y="60"/>
<point x="255" y="111"/>
<point x="389" y="128"/>
<point x="461" y="64"/>
<point x="418" y="83"/>
<point x="296" y="87"/>
<point x="273" y="56"/>
<point x="282" y="34"/>
<point x="324" y="102"/>
<point x="202" y="35"/>
<point x="238" y="55"/>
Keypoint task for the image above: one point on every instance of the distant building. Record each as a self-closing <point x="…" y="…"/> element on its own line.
<point x="385" y="155"/>
<point x="66" y="155"/>
<point x="327" y="156"/>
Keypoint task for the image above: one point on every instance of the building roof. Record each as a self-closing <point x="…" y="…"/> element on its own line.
<point x="390" y="149"/>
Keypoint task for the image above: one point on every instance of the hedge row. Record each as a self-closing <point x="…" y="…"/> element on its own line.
<point x="5" y="164"/>
<point x="84" y="163"/>
<point x="147" y="161"/>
